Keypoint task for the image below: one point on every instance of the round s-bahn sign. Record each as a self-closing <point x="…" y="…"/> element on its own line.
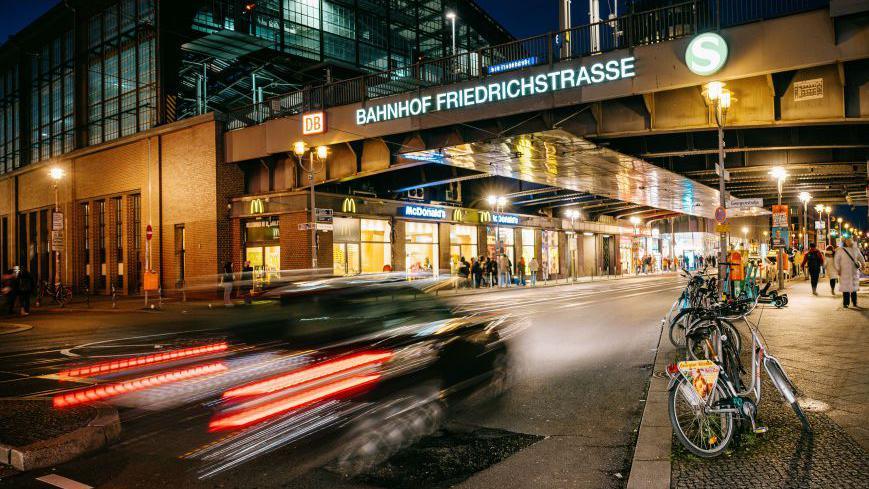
<point x="706" y="54"/>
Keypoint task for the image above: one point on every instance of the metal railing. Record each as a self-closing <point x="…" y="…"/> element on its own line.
<point x="635" y="29"/>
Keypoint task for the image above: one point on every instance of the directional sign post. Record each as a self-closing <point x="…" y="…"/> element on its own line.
<point x="324" y="215"/>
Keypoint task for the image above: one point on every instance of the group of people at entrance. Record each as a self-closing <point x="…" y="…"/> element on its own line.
<point x="497" y="272"/>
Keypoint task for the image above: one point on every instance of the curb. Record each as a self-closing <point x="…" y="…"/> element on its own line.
<point x="103" y="429"/>
<point x="651" y="466"/>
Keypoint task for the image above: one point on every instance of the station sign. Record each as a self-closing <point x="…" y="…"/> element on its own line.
<point x="56" y="221"/>
<point x="505" y="219"/>
<point x="423" y="212"/>
<point x="745" y="203"/>
<point x="498" y="91"/>
<point x="512" y="65"/>
<point x="313" y="123"/>
<point x="706" y="54"/>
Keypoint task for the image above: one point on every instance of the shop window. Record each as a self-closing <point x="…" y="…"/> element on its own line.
<point x="86" y="242"/>
<point x="528" y="248"/>
<point x="263" y="250"/>
<point x="361" y="246"/>
<point x="44" y="246"/>
<point x="422" y="247"/>
<point x="119" y="241"/>
<point x="101" y="242"/>
<point x="549" y="252"/>
<point x="135" y="229"/>
<point x="4" y="244"/>
<point x="463" y="243"/>
<point x="180" y="254"/>
<point x="501" y="240"/>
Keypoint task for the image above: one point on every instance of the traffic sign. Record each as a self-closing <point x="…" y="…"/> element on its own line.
<point x="324" y="215"/>
<point x="722" y="228"/>
<point x="720" y="215"/>
<point x="149" y="232"/>
<point x="745" y="203"/>
<point x="57" y="240"/>
<point x="325" y="227"/>
<point x="56" y="221"/>
<point x="305" y="226"/>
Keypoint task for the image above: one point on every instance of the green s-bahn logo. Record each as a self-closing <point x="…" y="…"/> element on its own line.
<point x="706" y="54"/>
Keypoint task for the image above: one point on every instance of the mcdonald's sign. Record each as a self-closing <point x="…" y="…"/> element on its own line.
<point x="349" y="205"/>
<point x="257" y="206"/>
<point x="485" y="216"/>
<point x="458" y="214"/>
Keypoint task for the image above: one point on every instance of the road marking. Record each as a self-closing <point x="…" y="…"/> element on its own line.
<point x="9" y="328"/>
<point x="68" y="351"/>
<point x="62" y="482"/>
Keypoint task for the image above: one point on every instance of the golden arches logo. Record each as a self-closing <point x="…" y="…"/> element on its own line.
<point x="257" y="206"/>
<point x="485" y="216"/>
<point x="349" y="205"/>
<point x="458" y="215"/>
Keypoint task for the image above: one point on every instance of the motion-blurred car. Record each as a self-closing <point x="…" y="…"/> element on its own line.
<point x="377" y="364"/>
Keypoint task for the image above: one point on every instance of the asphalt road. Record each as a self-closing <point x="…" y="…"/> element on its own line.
<point x="581" y="370"/>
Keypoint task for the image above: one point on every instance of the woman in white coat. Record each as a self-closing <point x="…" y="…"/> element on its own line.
<point x="849" y="261"/>
<point x="830" y="267"/>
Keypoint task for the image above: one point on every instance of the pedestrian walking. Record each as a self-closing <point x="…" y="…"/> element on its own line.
<point x="10" y="288"/>
<point x="477" y="271"/>
<point x="247" y="281"/>
<point x="491" y="270"/>
<point x="830" y="267"/>
<point x="812" y="262"/>
<point x="533" y="267"/>
<point x="226" y="282"/>
<point x="849" y="261"/>
<point x="26" y="285"/>
<point x="503" y="270"/>
<point x="520" y="270"/>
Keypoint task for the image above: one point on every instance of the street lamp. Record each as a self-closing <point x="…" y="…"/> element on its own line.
<point x="820" y="210"/>
<point x="452" y="18"/>
<point x="321" y="152"/>
<point x="779" y="174"/>
<point x="497" y="202"/>
<point x="805" y="197"/>
<point x="719" y="100"/>
<point x="636" y="223"/>
<point x="56" y="174"/>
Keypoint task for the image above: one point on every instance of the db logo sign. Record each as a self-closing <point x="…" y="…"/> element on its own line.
<point x="313" y="123"/>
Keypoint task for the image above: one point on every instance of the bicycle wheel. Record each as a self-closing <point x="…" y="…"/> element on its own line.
<point x="733" y="335"/>
<point x="701" y="338"/>
<point x="703" y="434"/>
<point x="677" y="327"/>
<point x="64" y="295"/>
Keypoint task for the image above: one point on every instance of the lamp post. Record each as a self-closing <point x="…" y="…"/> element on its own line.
<point x="452" y="18"/>
<point x="719" y="100"/>
<point x="56" y="174"/>
<point x="780" y="175"/>
<point x="828" y="210"/>
<point x="573" y="215"/>
<point x="321" y="152"/>
<point x="820" y="210"/>
<point x="805" y="197"/>
<point x="497" y="202"/>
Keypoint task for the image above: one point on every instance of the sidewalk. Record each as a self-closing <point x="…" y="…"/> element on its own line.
<point x="823" y="348"/>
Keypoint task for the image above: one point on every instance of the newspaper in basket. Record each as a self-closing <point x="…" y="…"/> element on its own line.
<point x="702" y="375"/>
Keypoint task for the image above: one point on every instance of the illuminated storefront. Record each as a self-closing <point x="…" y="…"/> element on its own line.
<point x="463" y="243"/>
<point x="549" y="253"/>
<point x="421" y="248"/>
<point x="504" y="243"/>
<point x="528" y="248"/>
<point x="361" y="246"/>
<point x="262" y="249"/>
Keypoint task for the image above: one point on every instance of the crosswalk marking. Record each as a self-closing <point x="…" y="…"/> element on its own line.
<point x="62" y="482"/>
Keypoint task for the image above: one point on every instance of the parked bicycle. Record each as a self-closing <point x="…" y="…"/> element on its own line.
<point x="707" y="401"/>
<point x="61" y="294"/>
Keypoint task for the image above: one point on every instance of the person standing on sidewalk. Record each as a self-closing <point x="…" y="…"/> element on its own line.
<point x="26" y="284"/>
<point x="830" y="267"/>
<point x="533" y="267"/>
<point x="491" y="270"/>
<point x="812" y="262"/>
<point x="10" y="288"/>
<point x="226" y="283"/>
<point x="247" y="281"/>
<point x="849" y="261"/>
<point x="477" y="272"/>
<point x="520" y="271"/>
<point x="503" y="270"/>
